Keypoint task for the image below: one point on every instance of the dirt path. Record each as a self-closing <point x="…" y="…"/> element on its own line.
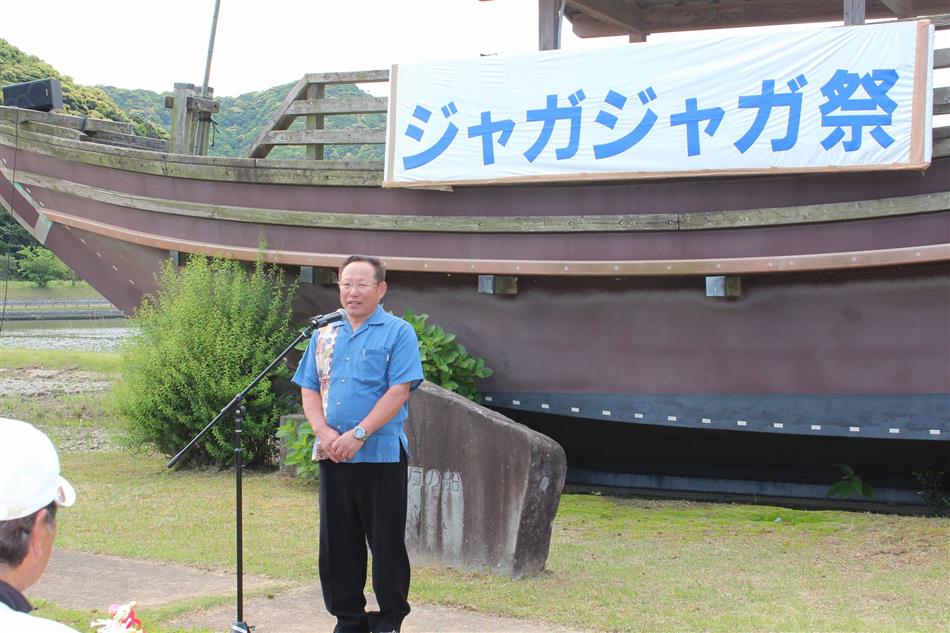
<point x="78" y="580"/>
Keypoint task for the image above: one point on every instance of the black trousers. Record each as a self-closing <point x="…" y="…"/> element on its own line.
<point x="362" y="503"/>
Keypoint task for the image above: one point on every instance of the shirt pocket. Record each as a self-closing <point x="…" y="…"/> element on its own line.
<point x="373" y="364"/>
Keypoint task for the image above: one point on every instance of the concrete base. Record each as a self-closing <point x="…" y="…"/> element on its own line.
<point x="483" y="490"/>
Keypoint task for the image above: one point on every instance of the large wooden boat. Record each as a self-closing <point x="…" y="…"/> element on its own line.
<point x="589" y="301"/>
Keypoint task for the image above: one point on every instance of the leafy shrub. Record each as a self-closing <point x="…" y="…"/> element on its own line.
<point x="850" y="484"/>
<point x="444" y="362"/>
<point x="299" y="439"/>
<point x="40" y="266"/>
<point x="932" y="491"/>
<point x="210" y="329"/>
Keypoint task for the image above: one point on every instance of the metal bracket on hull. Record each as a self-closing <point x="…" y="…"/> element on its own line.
<point x="497" y="285"/>
<point x="723" y="286"/>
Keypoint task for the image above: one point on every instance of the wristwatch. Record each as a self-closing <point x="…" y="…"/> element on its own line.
<point x="359" y="433"/>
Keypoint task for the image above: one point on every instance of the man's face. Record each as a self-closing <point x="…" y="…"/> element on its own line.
<point x="40" y="548"/>
<point x="360" y="293"/>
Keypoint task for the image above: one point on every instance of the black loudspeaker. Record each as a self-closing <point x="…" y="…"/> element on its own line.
<point x="42" y="94"/>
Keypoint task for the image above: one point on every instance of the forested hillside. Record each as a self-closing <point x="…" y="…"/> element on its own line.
<point x="236" y="126"/>
<point x="241" y="119"/>
<point x="16" y="67"/>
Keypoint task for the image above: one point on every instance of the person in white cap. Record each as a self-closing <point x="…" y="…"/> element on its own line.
<point x="31" y="488"/>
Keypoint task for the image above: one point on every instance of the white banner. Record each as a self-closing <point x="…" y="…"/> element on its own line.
<point x="845" y="98"/>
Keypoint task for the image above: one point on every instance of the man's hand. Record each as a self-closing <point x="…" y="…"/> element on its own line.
<point x="313" y="409"/>
<point x="327" y="436"/>
<point x="346" y="446"/>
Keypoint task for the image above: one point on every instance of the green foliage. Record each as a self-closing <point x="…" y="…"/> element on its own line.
<point x="13" y="237"/>
<point x="237" y="124"/>
<point x="299" y="439"/>
<point x="40" y="266"/>
<point x="16" y="67"/>
<point x="850" y="484"/>
<point x="208" y="331"/>
<point x="243" y="117"/>
<point x="933" y="491"/>
<point x="445" y="362"/>
<point x="146" y="109"/>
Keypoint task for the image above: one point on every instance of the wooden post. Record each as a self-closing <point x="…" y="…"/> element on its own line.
<point x="315" y="121"/>
<point x="549" y="17"/>
<point x="854" y="12"/>
<point x="181" y="132"/>
<point x="203" y="120"/>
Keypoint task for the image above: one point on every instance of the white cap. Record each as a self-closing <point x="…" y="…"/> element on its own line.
<point x="29" y="471"/>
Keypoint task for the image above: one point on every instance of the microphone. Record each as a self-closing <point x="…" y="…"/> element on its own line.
<point x="326" y="319"/>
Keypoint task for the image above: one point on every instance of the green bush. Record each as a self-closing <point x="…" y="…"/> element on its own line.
<point x="444" y="362"/>
<point x="933" y="491"/>
<point x="299" y="439"/>
<point x="209" y="330"/>
<point x="40" y="266"/>
<point x="850" y="484"/>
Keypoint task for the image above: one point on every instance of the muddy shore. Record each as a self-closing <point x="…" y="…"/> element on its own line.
<point x="35" y="388"/>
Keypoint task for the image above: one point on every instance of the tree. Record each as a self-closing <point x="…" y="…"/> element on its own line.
<point x="40" y="266"/>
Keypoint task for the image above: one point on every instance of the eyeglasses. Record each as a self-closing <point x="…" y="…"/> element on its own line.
<point x="362" y="286"/>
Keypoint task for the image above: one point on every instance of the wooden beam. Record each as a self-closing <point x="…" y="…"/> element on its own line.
<point x="738" y="13"/>
<point x="200" y="104"/>
<point x="315" y="92"/>
<point x="263" y="171"/>
<point x="584" y="25"/>
<point x="53" y="130"/>
<point x="578" y="224"/>
<point x="282" y="118"/>
<point x="181" y="131"/>
<point x="548" y="24"/>
<point x="900" y="8"/>
<point x="849" y="260"/>
<point x="279" y="121"/>
<point x="329" y="137"/>
<point x="130" y="140"/>
<point x="627" y="16"/>
<point x="854" y="12"/>
<point x="942" y="58"/>
<point x="354" y="77"/>
<point x="942" y="100"/>
<point x="340" y="105"/>
<point x="83" y="124"/>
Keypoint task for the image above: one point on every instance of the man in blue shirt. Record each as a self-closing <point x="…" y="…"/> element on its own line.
<point x="355" y="379"/>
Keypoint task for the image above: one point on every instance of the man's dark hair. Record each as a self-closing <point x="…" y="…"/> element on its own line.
<point x="15" y="535"/>
<point x="369" y="259"/>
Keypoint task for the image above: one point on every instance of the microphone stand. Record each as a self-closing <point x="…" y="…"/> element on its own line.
<point x="240" y="626"/>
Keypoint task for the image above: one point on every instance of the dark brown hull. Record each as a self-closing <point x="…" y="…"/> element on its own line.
<point x="842" y="329"/>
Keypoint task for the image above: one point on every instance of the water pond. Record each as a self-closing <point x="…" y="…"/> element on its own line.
<point x="78" y="335"/>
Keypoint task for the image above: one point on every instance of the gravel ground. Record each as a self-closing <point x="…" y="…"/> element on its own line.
<point x="42" y="383"/>
<point x="47" y="386"/>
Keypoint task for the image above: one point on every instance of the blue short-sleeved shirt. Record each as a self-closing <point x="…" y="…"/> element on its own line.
<point x="352" y="371"/>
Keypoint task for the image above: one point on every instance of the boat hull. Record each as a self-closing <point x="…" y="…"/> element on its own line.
<point x="841" y="329"/>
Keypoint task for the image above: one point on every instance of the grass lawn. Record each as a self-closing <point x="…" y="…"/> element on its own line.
<point x="101" y="362"/>
<point x="23" y="290"/>
<point x="615" y="564"/>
